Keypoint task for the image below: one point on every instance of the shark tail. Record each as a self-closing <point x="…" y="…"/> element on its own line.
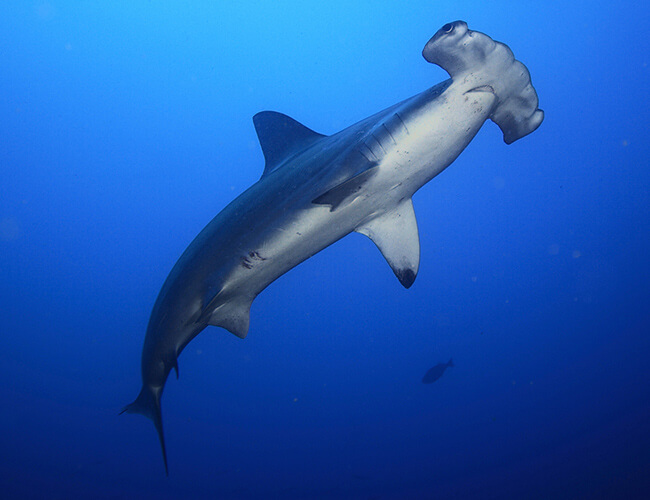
<point x="450" y="363"/>
<point x="148" y="404"/>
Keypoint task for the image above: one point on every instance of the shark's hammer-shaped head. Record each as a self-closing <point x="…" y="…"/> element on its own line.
<point x="484" y="65"/>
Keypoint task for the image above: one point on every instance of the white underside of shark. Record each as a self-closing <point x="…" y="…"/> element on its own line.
<point x="316" y="189"/>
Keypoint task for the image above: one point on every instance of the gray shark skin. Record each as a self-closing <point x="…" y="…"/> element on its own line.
<point x="316" y="189"/>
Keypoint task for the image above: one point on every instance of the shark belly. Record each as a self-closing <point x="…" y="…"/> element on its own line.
<point x="404" y="164"/>
<point x="434" y="133"/>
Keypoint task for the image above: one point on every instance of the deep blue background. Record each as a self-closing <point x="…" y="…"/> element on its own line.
<point x="126" y="126"/>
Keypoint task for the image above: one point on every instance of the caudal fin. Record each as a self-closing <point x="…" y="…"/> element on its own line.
<point x="148" y="404"/>
<point x="450" y="363"/>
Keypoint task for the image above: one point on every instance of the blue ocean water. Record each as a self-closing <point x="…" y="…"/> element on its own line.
<point x="126" y="126"/>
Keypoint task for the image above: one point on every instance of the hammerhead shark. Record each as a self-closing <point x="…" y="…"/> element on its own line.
<point x="316" y="189"/>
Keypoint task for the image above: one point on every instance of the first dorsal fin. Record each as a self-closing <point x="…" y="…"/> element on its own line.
<point x="281" y="136"/>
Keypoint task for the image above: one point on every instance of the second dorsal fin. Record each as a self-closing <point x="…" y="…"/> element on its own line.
<point x="281" y="136"/>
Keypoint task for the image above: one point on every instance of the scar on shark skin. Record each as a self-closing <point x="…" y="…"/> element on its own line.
<point x="248" y="260"/>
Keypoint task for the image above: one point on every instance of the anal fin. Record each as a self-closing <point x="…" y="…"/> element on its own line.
<point x="396" y="235"/>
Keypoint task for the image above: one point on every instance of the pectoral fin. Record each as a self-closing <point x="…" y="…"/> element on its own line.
<point x="347" y="191"/>
<point x="396" y="235"/>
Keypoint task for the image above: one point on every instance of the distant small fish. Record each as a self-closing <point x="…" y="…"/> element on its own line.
<point x="436" y="372"/>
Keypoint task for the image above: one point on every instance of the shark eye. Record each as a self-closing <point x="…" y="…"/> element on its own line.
<point x="447" y="28"/>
